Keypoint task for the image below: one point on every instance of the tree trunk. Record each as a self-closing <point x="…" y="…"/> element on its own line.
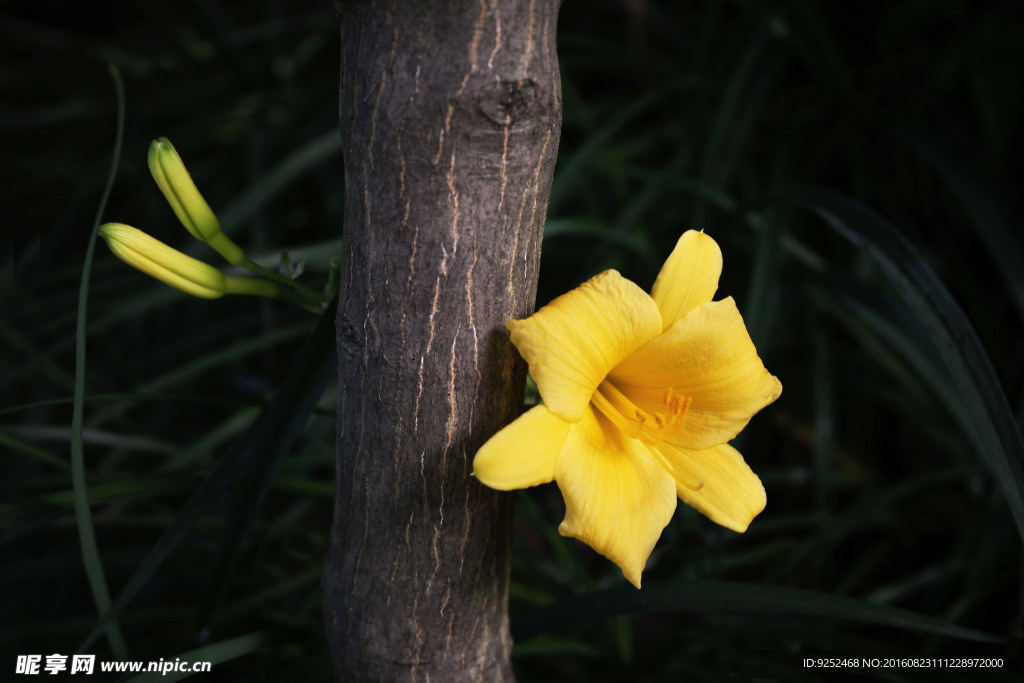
<point x="450" y="115"/>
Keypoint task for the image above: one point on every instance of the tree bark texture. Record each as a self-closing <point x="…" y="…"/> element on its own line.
<point x="450" y="115"/>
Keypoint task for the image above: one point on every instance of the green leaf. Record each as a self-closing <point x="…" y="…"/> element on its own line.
<point x="83" y="514"/>
<point x="275" y="432"/>
<point x="983" y="409"/>
<point x="308" y="157"/>
<point x="217" y="357"/>
<point x="548" y="646"/>
<point x="727" y="596"/>
<point x="988" y="217"/>
<point x="274" y="429"/>
<point x="573" y="171"/>
<point x="217" y="653"/>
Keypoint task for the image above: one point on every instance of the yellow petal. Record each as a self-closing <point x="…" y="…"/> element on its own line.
<point x="523" y="454"/>
<point x="618" y="498"/>
<point x="689" y="277"/>
<point x="574" y="341"/>
<point x="707" y="356"/>
<point x="169" y="265"/>
<point x="727" y="491"/>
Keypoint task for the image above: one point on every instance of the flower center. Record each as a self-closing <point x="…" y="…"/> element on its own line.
<point x="649" y="427"/>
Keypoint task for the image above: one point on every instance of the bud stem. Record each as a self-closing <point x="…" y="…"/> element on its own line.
<point x="281" y="279"/>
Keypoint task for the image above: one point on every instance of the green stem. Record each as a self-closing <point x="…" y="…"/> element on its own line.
<point x="281" y="279"/>
<point x="83" y="514"/>
<point x="333" y="279"/>
<point x="293" y="297"/>
<point x="271" y="290"/>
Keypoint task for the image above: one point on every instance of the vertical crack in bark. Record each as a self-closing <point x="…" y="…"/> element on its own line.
<point x="528" y="52"/>
<point x="497" y="35"/>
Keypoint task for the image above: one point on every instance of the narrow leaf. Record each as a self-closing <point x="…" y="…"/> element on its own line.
<point x="727" y="596"/>
<point x="83" y="514"/>
<point x="237" y="459"/>
<point x="275" y="432"/>
<point x="987" y="415"/>
<point x="216" y="653"/>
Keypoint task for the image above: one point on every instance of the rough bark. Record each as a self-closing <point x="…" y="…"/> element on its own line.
<point x="450" y="114"/>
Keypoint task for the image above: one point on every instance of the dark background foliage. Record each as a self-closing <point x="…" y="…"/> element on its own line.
<point x="678" y="115"/>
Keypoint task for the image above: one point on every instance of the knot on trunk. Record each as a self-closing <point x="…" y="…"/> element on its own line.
<point x="504" y="102"/>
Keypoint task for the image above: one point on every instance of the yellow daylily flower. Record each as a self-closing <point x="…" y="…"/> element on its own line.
<point x="181" y="193"/>
<point x="176" y="269"/>
<point x="641" y="395"/>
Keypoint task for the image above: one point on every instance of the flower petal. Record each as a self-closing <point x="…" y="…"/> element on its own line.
<point x="523" y="454"/>
<point x="709" y="357"/>
<point x="574" y="341"/>
<point x="729" y="493"/>
<point x="618" y="499"/>
<point x="689" y="277"/>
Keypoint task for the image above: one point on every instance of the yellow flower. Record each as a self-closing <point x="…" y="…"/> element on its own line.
<point x="176" y="269"/>
<point x="641" y="395"/>
<point x="181" y="193"/>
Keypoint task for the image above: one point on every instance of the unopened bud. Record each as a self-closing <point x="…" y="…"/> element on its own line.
<point x="180" y="271"/>
<point x="195" y="214"/>
<point x="168" y="265"/>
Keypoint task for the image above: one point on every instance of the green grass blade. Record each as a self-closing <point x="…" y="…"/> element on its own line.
<point x="759" y="303"/>
<point x="867" y="311"/>
<point x="159" y="397"/>
<point x="702" y="191"/>
<point x="120" y="491"/>
<point x="557" y="646"/>
<point x="993" y="427"/>
<point x="595" y="229"/>
<point x="217" y="653"/>
<point x="219" y="356"/>
<point x="21" y="343"/>
<point x="825" y="418"/>
<point x="125" y="309"/>
<point x="896" y="342"/>
<point x="990" y="220"/>
<point x="303" y="160"/>
<point x="728" y="111"/>
<point x="275" y="432"/>
<point x="574" y="170"/>
<point x="727" y="596"/>
<point x="237" y="459"/>
<point x="83" y="515"/>
<point x="18" y="446"/>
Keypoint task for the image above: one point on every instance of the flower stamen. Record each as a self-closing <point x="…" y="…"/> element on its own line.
<point x="650" y="427"/>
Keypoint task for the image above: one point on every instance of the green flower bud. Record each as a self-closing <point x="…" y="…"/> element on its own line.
<point x="195" y="214"/>
<point x="168" y="265"/>
<point x="176" y="269"/>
